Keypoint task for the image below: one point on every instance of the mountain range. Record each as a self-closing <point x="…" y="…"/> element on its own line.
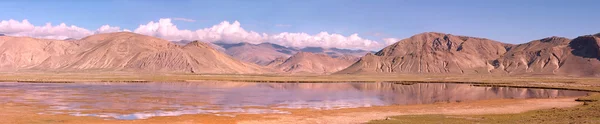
<point x="121" y="51"/>
<point x="425" y="53"/>
<point x="450" y="54"/>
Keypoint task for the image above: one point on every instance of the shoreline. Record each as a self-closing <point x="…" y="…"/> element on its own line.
<point x="14" y="113"/>
<point x="562" y="83"/>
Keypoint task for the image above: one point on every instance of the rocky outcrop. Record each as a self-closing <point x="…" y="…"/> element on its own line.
<point x="432" y="53"/>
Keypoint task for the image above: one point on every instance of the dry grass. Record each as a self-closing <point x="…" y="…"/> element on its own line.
<point x="587" y="113"/>
<point x="577" y="83"/>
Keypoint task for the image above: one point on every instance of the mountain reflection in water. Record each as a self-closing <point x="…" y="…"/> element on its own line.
<point x="144" y="100"/>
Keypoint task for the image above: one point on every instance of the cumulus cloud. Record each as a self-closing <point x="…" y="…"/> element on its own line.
<point x="184" y="19"/>
<point x="224" y="32"/>
<point x="107" y="29"/>
<point x="164" y="29"/>
<point x="228" y="32"/>
<point x="323" y="39"/>
<point x="13" y="26"/>
<point x="390" y="41"/>
<point x="232" y="32"/>
<point x="49" y="31"/>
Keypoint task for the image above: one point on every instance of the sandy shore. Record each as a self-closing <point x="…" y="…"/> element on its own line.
<point x="21" y="113"/>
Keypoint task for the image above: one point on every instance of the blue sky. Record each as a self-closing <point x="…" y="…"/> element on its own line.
<point x="510" y="21"/>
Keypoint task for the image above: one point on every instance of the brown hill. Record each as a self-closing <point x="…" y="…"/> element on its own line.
<point x="538" y="56"/>
<point x="306" y="62"/>
<point x="208" y="60"/>
<point x="260" y="54"/>
<point x="24" y="52"/>
<point x="264" y="53"/>
<point x="446" y="53"/>
<point x="554" y="55"/>
<point x="432" y="53"/>
<point x="125" y="51"/>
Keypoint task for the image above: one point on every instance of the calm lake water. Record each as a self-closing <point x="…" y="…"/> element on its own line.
<point x="130" y="101"/>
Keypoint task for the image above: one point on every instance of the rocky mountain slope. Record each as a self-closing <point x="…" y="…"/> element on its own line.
<point x="425" y="53"/>
<point x="132" y="52"/>
<point x="432" y="53"/>
<point x="23" y="52"/>
<point x="553" y="55"/>
<point x="264" y="53"/>
<point x="260" y="54"/>
<point x="306" y="62"/>
<point x="449" y="54"/>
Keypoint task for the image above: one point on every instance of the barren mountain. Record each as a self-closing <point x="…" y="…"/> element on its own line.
<point x="125" y="51"/>
<point x="335" y="52"/>
<point x="208" y="60"/>
<point x="185" y="42"/>
<point x="24" y="52"/>
<point x="264" y="53"/>
<point x="446" y="53"/>
<point x="553" y="55"/>
<point x="432" y="53"/>
<point x="306" y="62"/>
<point x="260" y="54"/>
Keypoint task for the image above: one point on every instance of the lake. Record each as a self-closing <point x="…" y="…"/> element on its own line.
<point x="130" y="101"/>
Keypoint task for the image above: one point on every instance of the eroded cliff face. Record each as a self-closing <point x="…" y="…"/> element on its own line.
<point x="432" y="53"/>
<point x="583" y="58"/>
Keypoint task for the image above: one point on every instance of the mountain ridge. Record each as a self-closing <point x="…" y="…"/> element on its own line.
<point x="125" y="51"/>
<point x="440" y="53"/>
<point x="311" y="63"/>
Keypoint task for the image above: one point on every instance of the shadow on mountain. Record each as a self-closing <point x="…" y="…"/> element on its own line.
<point x="585" y="46"/>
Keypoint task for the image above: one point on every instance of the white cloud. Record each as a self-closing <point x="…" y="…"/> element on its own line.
<point x="107" y="29"/>
<point x="224" y="31"/>
<point x="229" y="32"/>
<point x="184" y="19"/>
<point x="234" y="33"/>
<point x="390" y="41"/>
<point x="13" y="26"/>
<point x="164" y="29"/>
<point x="324" y="39"/>
<point x="49" y="31"/>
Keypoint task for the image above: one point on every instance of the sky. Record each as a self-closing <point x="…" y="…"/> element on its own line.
<point x="351" y="24"/>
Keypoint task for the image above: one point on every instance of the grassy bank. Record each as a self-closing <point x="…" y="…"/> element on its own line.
<point x="589" y="112"/>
